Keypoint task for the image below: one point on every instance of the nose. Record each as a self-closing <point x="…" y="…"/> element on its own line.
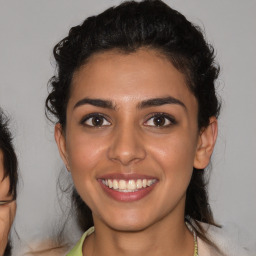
<point x="126" y="146"/>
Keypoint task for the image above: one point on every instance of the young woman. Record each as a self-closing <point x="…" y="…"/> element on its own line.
<point x="136" y="111"/>
<point x="8" y="184"/>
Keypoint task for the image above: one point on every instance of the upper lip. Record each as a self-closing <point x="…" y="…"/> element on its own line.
<point x="125" y="176"/>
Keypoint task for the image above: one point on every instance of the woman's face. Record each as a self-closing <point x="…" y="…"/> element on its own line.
<point x="7" y="211"/>
<point x="131" y="138"/>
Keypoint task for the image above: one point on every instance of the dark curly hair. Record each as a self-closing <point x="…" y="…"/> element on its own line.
<point x="10" y="162"/>
<point x="128" y="27"/>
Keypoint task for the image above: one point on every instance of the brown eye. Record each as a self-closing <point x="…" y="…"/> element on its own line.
<point x="95" y="120"/>
<point x="160" y="120"/>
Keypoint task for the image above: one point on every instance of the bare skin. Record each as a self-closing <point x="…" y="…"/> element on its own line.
<point x="145" y="124"/>
<point x="7" y="211"/>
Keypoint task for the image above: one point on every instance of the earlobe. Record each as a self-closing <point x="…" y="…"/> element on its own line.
<point x="206" y="142"/>
<point x="61" y="143"/>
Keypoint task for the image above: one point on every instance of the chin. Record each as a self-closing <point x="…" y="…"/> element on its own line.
<point x="130" y="224"/>
<point x="128" y="228"/>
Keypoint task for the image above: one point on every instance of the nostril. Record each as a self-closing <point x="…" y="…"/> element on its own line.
<point x="126" y="158"/>
<point x="126" y="149"/>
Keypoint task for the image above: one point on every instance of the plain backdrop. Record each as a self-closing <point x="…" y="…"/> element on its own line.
<point x="28" y="31"/>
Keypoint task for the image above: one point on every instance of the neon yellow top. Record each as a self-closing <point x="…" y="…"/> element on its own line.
<point x="77" y="250"/>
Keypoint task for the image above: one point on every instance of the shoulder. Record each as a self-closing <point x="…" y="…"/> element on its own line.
<point x="46" y="247"/>
<point x="77" y="249"/>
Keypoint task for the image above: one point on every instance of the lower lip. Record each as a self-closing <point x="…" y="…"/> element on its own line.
<point x="127" y="196"/>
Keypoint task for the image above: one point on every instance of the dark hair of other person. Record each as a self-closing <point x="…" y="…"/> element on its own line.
<point x="128" y="27"/>
<point x="10" y="162"/>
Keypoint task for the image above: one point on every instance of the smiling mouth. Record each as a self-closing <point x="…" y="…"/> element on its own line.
<point x="128" y="186"/>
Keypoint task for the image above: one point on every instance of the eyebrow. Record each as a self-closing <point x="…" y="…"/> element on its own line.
<point x="95" y="102"/>
<point x="160" y="101"/>
<point x="144" y="104"/>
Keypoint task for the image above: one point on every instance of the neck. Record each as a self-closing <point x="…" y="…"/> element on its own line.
<point x="164" y="238"/>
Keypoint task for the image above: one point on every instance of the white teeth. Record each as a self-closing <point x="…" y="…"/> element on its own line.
<point x="139" y="184"/>
<point x="131" y="185"/>
<point x="128" y="185"/>
<point x="110" y="184"/>
<point x="150" y="182"/>
<point x="122" y="184"/>
<point x="115" y="184"/>
<point x="144" y="183"/>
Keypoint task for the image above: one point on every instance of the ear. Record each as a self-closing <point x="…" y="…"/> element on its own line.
<point x="61" y="143"/>
<point x="205" y="145"/>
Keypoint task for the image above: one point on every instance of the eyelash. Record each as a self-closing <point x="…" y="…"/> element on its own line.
<point x="104" y="120"/>
<point x="167" y="117"/>
<point x="5" y="202"/>
<point x="94" y="115"/>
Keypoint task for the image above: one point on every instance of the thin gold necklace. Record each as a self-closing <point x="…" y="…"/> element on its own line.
<point x="190" y="228"/>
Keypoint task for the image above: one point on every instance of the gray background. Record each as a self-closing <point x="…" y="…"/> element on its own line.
<point x="28" y="31"/>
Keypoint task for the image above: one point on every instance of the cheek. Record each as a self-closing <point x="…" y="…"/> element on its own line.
<point x="86" y="156"/>
<point x="175" y="155"/>
<point x="84" y="152"/>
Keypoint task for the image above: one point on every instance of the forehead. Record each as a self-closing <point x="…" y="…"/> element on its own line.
<point x="142" y="74"/>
